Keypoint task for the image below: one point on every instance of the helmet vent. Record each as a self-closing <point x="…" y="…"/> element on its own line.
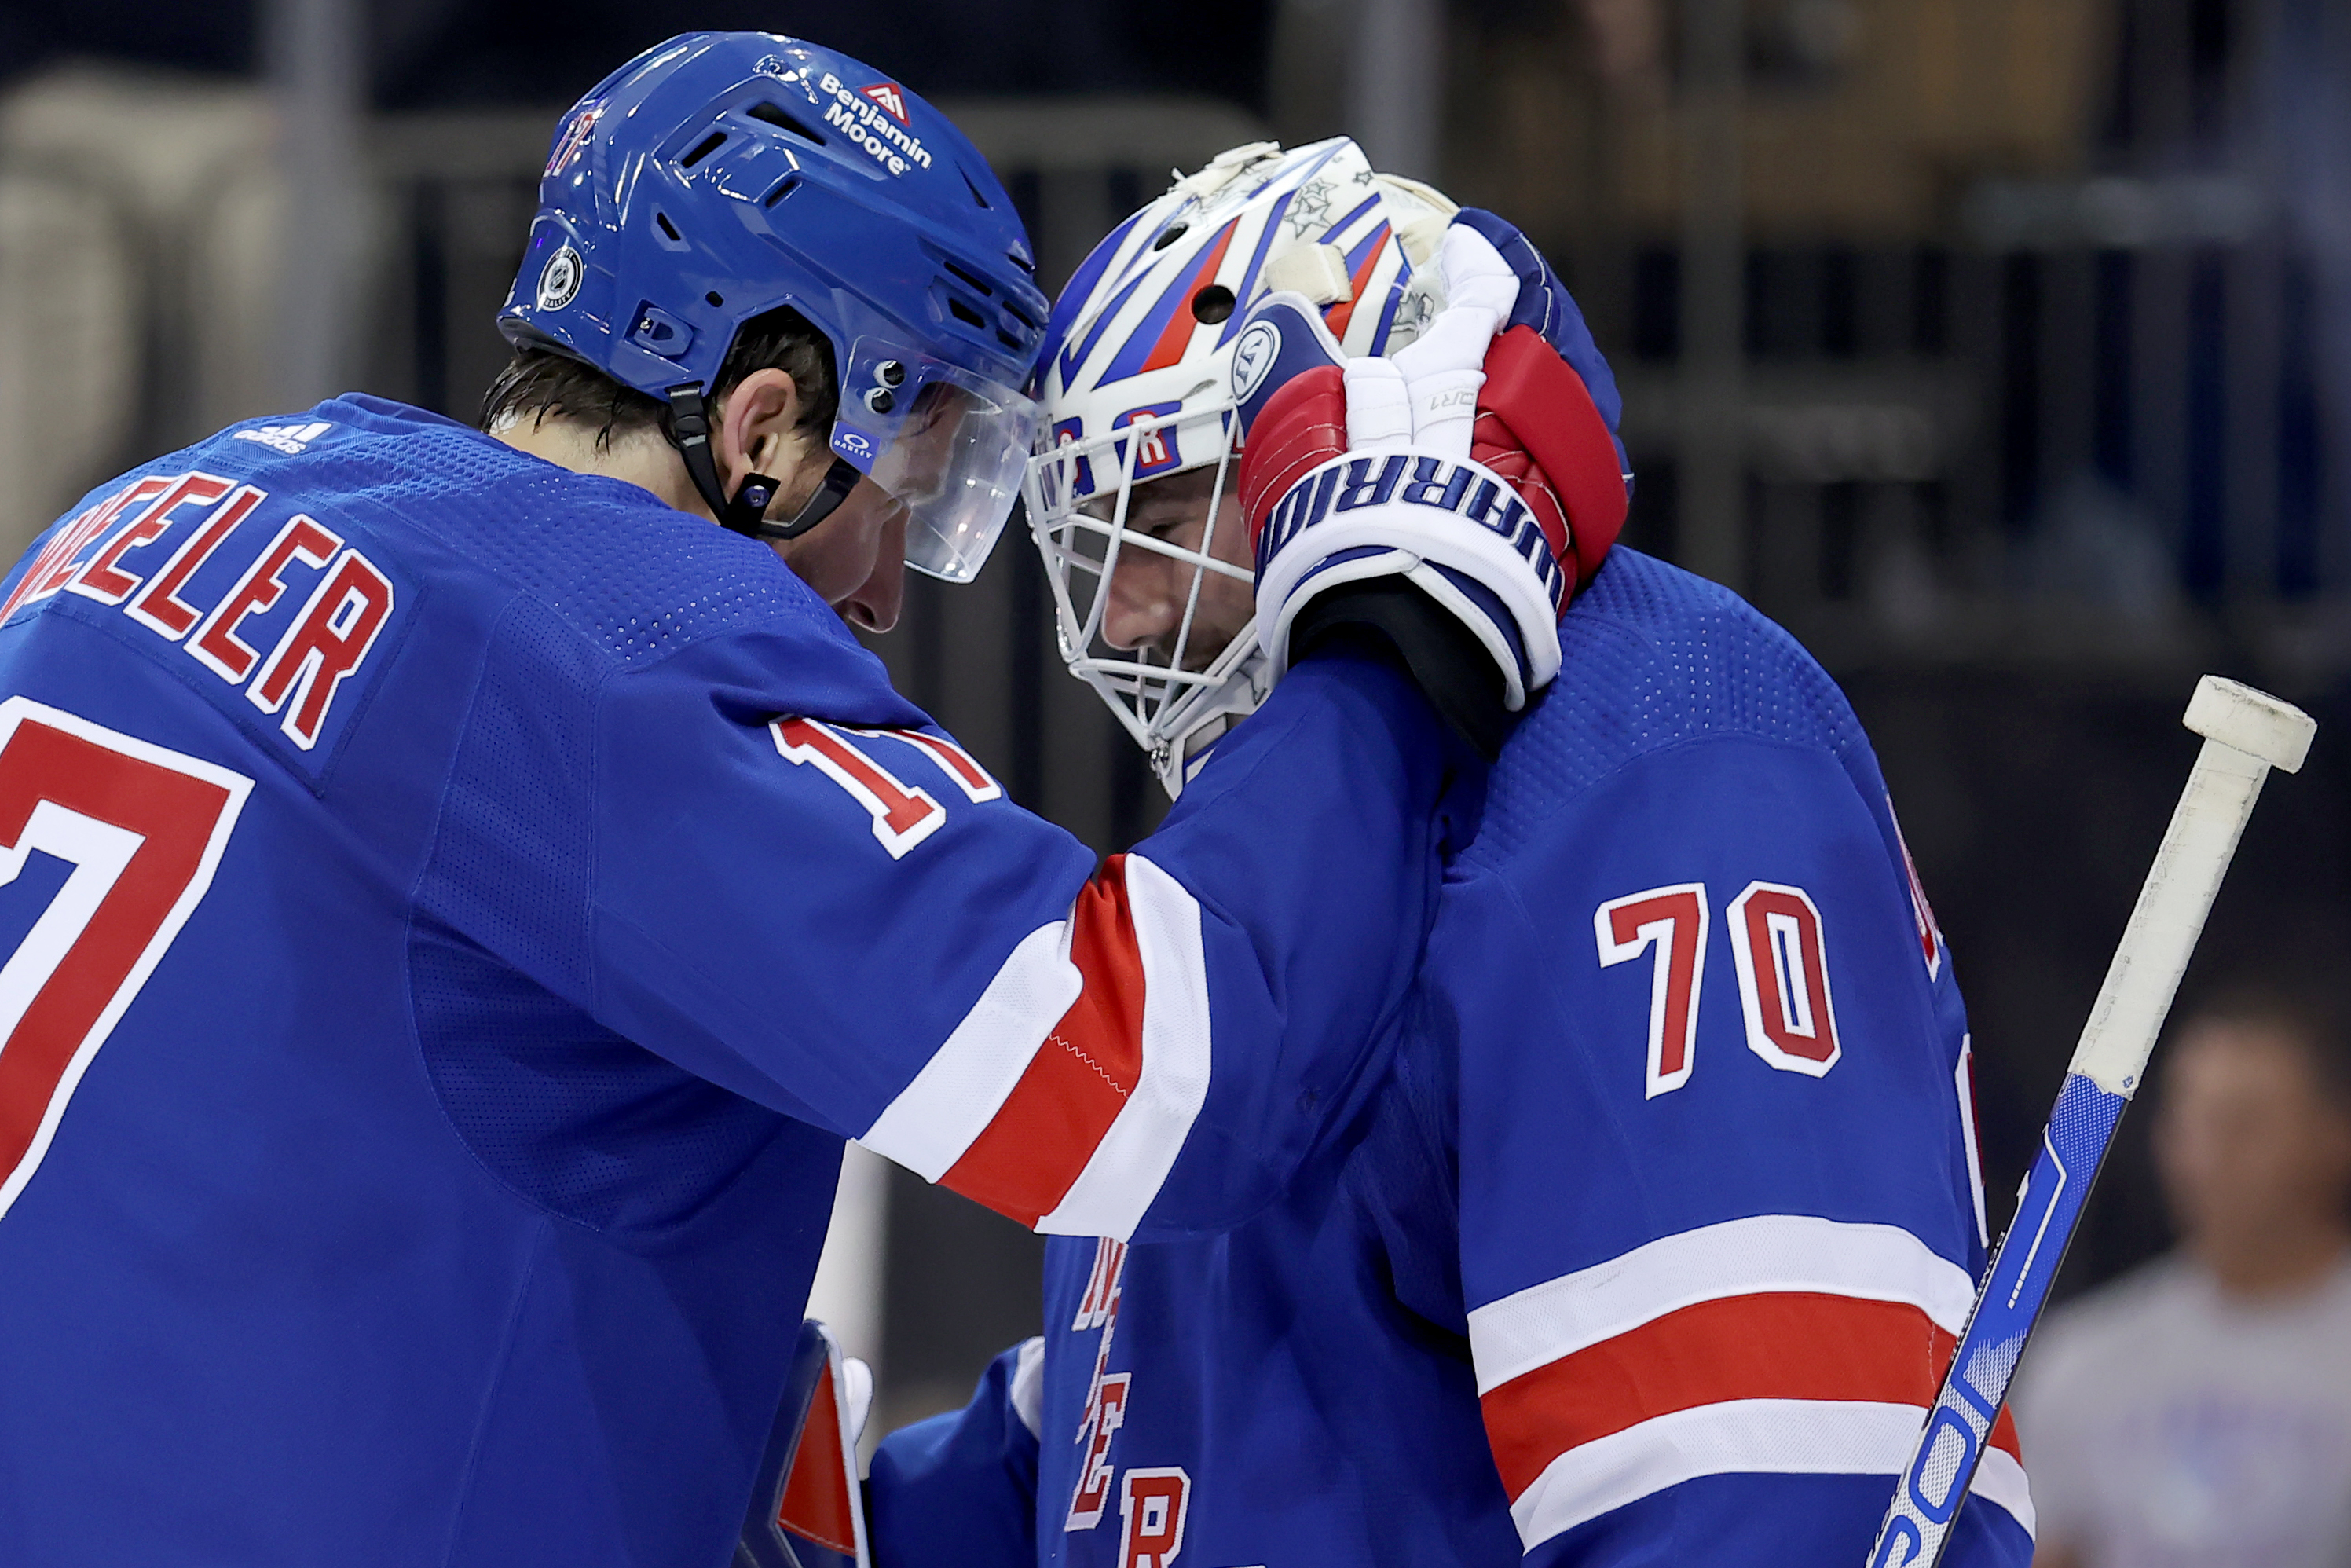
<point x="661" y="221"/>
<point x="783" y="188"/>
<point x="964" y="312"/>
<point x="776" y="117"/>
<point x="704" y="149"/>
<point x="967" y="277"/>
<point x="1174" y="232"/>
<point x="1213" y="304"/>
<point x="973" y="186"/>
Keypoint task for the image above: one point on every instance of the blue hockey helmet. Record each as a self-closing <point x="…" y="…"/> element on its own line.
<point x="721" y="176"/>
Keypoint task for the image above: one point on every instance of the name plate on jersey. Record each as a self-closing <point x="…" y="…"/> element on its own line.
<point x="277" y="617"/>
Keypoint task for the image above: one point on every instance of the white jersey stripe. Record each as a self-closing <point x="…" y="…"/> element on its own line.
<point x="959" y="1089"/>
<point x="1121" y="1178"/>
<point x="955" y="1096"/>
<point x="1743" y="1436"/>
<point x="1763" y="1255"/>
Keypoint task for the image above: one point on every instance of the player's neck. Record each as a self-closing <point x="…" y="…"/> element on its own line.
<point x="2284" y="1261"/>
<point x="638" y="457"/>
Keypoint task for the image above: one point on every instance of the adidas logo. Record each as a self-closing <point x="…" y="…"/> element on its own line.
<point x="290" y="439"/>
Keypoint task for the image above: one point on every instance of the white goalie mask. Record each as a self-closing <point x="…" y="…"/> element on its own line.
<point x="1130" y="494"/>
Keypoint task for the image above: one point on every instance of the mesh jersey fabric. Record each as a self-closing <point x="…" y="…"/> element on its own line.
<point x="1679" y="658"/>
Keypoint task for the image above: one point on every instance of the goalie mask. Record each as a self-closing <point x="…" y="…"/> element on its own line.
<point x="1133" y="495"/>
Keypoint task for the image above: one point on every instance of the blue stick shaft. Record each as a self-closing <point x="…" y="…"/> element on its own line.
<point x="1927" y="1501"/>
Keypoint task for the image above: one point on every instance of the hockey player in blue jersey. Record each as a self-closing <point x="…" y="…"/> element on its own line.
<point x="456" y="898"/>
<point x="1652" y="1243"/>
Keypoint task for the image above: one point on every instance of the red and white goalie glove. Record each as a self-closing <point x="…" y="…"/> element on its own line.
<point x="1357" y="470"/>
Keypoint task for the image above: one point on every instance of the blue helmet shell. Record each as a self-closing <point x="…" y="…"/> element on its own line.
<point x="720" y="175"/>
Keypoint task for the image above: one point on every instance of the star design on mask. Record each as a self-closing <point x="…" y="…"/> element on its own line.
<point x="1363" y="177"/>
<point x="1309" y="208"/>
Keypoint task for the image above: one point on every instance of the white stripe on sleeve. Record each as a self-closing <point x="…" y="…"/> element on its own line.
<point x="1769" y="1437"/>
<point x="958" y="1092"/>
<point x="1766" y="1254"/>
<point x="1133" y="1157"/>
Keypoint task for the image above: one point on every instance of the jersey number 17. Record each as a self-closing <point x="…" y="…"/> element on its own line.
<point x="142" y="829"/>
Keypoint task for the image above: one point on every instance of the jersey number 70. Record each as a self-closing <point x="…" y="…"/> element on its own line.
<point x="1783" y="974"/>
<point x="144" y="829"/>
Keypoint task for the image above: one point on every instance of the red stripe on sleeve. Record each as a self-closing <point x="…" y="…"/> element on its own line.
<point x="1790" y="1345"/>
<point x="1048" y="1126"/>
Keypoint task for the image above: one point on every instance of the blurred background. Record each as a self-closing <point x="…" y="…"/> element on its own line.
<point x="2000" y="349"/>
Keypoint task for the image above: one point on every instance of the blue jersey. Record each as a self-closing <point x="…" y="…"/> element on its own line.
<point x="453" y="910"/>
<point x="1656" y="1238"/>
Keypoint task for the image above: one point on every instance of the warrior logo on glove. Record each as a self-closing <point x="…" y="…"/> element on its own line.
<point x="1459" y="488"/>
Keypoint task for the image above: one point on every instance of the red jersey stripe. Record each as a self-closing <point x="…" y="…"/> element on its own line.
<point x="1787" y="1345"/>
<point x="1039" y="1140"/>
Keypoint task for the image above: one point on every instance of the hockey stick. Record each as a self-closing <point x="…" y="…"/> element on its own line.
<point x="2246" y="733"/>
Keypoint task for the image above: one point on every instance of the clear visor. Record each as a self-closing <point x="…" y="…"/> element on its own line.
<point x="946" y="443"/>
<point x="1140" y="535"/>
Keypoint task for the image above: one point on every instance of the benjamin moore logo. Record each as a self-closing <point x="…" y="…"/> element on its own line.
<point x="874" y="119"/>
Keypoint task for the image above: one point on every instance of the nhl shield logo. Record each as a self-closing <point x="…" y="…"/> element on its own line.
<point x="891" y="97"/>
<point x="559" y="283"/>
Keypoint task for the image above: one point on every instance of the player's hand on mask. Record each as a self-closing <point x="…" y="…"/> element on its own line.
<point x="1369" y="505"/>
<point x="1546" y="420"/>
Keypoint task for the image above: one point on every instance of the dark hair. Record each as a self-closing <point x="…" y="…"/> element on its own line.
<point x="2309" y="1014"/>
<point x="539" y="382"/>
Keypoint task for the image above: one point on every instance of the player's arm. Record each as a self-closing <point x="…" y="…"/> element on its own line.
<point x="962" y="1486"/>
<point x="851" y="925"/>
<point x="1149" y="1050"/>
<point x="1717" y="1221"/>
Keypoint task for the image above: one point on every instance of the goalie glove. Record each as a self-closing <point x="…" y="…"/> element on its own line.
<point x="1360" y="472"/>
<point x="1547" y="420"/>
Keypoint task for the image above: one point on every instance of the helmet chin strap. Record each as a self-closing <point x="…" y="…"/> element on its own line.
<point x="746" y="511"/>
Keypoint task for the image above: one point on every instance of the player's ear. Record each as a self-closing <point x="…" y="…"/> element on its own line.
<point x="758" y="430"/>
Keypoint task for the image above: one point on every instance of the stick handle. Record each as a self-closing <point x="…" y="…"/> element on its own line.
<point x="2246" y="733"/>
<point x="2173" y="903"/>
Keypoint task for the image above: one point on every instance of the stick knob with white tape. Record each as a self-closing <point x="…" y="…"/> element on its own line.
<point x="2246" y="733"/>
